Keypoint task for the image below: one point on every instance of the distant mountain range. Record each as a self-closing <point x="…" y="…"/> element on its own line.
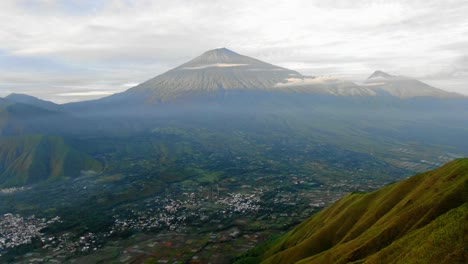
<point x="419" y="220"/>
<point x="404" y="87"/>
<point x="221" y="82"/>
<point x="222" y="71"/>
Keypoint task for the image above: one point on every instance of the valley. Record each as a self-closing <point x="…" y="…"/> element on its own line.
<point x="179" y="199"/>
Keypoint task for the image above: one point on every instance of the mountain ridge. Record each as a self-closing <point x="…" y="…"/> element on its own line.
<point x="34" y="101"/>
<point x="222" y="76"/>
<point x="405" y="87"/>
<point x="222" y="70"/>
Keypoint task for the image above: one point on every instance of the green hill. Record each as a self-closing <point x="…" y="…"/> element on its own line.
<point x="423" y="219"/>
<point x="32" y="159"/>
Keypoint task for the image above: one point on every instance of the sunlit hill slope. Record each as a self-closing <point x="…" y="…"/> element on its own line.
<point x="423" y="219"/>
<point x="31" y="159"/>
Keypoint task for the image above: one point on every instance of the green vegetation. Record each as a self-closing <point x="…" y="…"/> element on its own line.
<point x="419" y="220"/>
<point x="35" y="158"/>
<point x="222" y="184"/>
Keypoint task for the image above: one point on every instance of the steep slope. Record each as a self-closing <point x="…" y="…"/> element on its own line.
<point x="32" y="159"/>
<point x="31" y="100"/>
<point x="404" y="87"/>
<point x="420" y="220"/>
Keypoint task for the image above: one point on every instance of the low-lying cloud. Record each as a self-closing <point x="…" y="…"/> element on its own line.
<point x="306" y="81"/>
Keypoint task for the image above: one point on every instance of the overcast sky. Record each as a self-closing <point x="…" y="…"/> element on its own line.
<point x="83" y="49"/>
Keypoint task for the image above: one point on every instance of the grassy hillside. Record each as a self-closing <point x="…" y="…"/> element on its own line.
<point x="31" y="159"/>
<point x="423" y="219"/>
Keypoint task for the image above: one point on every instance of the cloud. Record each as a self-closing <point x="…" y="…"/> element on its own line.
<point x="214" y="65"/>
<point x="136" y="40"/>
<point x="90" y="93"/>
<point x="306" y="81"/>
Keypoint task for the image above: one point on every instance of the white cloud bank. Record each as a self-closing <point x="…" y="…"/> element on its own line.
<point x="306" y="81"/>
<point x="214" y="65"/>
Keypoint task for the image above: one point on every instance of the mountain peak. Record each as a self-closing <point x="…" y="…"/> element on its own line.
<point x="223" y="58"/>
<point x="220" y="51"/>
<point x="404" y="87"/>
<point x="213" y="71"/>
<point x="380" y="74"/>
<point x="221" y="55"/>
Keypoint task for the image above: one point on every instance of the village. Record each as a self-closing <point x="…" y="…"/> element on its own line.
<point x="16" y="230"/>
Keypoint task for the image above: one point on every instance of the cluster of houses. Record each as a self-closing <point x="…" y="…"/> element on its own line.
<point x="174" y="213"/>
<point x="16" y="230"/>
<point x="240" y="203"/>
